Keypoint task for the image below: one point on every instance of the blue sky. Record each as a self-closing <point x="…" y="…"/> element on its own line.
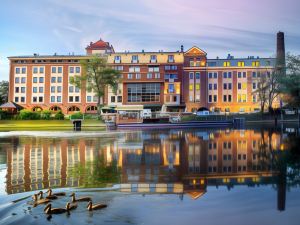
<point x="219" y="27"/>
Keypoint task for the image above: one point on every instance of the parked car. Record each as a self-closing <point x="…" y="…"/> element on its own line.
<point x="202" y="113"/>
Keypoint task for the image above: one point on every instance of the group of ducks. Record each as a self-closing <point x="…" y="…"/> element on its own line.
<point x="69" y="206"/>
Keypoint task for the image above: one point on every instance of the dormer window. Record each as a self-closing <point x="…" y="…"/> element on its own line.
<point x="226" y="64"/>
<point x="153" y="59"/>
<point x="170" y="58"/>
<point x="117" y="59"/>
<point x="135" y="59"/>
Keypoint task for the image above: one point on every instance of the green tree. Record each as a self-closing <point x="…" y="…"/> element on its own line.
<point x="97" y="76"/>
<point x="290" y="84"/>
<point x="4" y="86"/>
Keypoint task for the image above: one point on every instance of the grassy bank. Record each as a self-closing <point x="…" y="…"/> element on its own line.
<point x="48" y="125"/>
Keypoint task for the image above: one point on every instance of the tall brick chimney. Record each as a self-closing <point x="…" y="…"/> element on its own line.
<point x="280" y="55"/>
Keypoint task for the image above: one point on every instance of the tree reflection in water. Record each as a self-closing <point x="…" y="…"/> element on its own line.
<point x="96" y="173"/>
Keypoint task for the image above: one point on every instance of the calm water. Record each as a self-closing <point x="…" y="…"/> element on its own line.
<point x="247" y="176"/>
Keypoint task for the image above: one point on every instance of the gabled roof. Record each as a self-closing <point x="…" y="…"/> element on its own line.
<point x="195" y="194"/>
<point x="10" y="105"/>
<point x="195" y="51"/>
<point x="99" y="45"/>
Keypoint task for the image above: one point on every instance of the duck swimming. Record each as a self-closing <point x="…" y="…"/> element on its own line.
<point x="49" y="210"/>
<point x="81" y="199"/>
<point x="39" y="201"/>
<point x="48" y="196"/>
<point x="92" y="207"/>
<point x="70" y="206"/>
<point x="55" y="194"/>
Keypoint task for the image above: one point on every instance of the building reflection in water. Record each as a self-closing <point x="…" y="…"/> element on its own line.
<point x="182" y="162"/>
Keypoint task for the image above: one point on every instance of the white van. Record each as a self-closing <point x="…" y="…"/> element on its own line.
<point x="146" y="114"/>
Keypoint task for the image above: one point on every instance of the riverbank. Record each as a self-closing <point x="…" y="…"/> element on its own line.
<point x="57" y="125"/>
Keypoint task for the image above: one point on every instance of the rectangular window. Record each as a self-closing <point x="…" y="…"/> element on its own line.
<point x="153" y="59"/>
<point x="17" y="70"/>
<point x="117" y="59"/>
<point x="35" y="70"/>
<point x="77" y="69"/>
<point x="241" y="64"/>
<point x="23" y="89"/>
<point x="41" y="69"/>
<point x="71" y="89"/>
<point x="77" y="89"/>
<point x="16" y="99"/>
<point x="71" y="69"/>
<point x="41" y="99"/>
<point x="225" y="75"/>
<point x="89" y="98"/>
<point x="149" y="75"/>
<point x="215" y="75"/>
<point x="41" y="89"/>
<point x="113" y="99"/>
<point x="134" y="59"/>
<point x="157" y="75"/>
<point x="226" y="64"/>
<point x="225" y="86"/>
<point x="210" y="75"/>
<point x="209" y="86"/>
<point x="119" y="98"/>
<point x="229" y="75"/>
<point x="244" y="74"/>
<point x="239" y="74"/>
<point x="255" y="63"/>
<point x="41" y="79"/>
<point x="171" y="88"/>
<point x="23" y="99"/>
<point x="210" y="98"/>
<point x="191" y="76"/>
<point x="23" y="70"/>
<point x="129" y="76"/>
<point x="224" y="98"/>
<point x="197" y="75"/>
<point x="239" y="86"/>
<point x="53" y="69"/>
<point x="229" y="98"/>
<point x="215" y="98"/>
<point x="34" y="89"/>
<point x="191" y="87"/>
<point x="254" y="74"/>
<point x="76" y="98"/>
<point x="17" y="80"/>
<point x="171" y="58"/>
<point x="52" y="89"/>
<point x="58" y="99"/>
<point x="52" y="98"/>
<point x="34" y="99"/>
<point x="197" y="87"/>
<point x="229" y="86"/>
<point x="59" y="69"/>
<point x="215" y="86"/>
<point x="71" y="99"/>
<point x="23" y="80"/>
<point x="143" y="92"/>
<point x="17" y="89"/>
<point x="254" y="98"/>
<point x="138" y="76"/>
<point x="59" y="79"/>
<point x="53" y="79"/>
<point x="244" y="86"/>
<point x="58" y="89"/>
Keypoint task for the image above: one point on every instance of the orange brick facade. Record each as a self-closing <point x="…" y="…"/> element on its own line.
<point x="186" y="81"/>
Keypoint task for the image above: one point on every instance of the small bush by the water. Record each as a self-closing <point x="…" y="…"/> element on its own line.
<point x="46" y="114"/>
<point x="77" y="115"/>
<point x="3" y="115"/>
<point x="26" y="114"/>
<point x="59" y="116"/>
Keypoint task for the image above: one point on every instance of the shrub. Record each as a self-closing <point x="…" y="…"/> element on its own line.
<point x="26" y="114"/>
<point x="77" y="115"/>
<point x="46" y="114"/>
<point x="59" y="116"/>
<point x="3" y="115"/>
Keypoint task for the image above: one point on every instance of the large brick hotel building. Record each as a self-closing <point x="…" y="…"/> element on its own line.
<point x="167" y="81"/>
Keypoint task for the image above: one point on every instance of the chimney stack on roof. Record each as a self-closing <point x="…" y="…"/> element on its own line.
<point x="280" y="54"/>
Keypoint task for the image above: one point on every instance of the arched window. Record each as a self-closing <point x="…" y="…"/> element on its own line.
<point x="55" y="108"/>
<point x="91" y="108"/>
<point x="37" y="109"/>
<point x="73" y="109"/>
